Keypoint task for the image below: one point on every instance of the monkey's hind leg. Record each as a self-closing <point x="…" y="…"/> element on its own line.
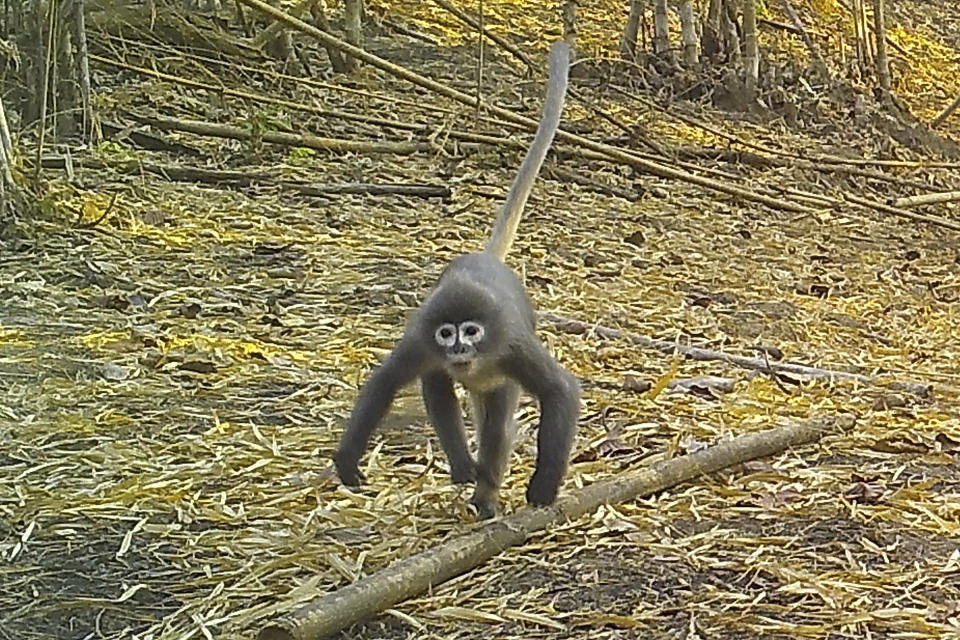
<point x="444" y="412"/>
<point x="493" y="414"/>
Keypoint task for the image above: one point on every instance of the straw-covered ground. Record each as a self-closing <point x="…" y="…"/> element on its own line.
<point x="176" y="374"/>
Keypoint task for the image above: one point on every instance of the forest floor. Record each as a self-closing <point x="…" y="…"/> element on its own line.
<point x="178" y="356"/>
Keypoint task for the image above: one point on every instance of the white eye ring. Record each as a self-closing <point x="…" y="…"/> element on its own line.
<point x="471" y="332"/>
<point x="446" y="335"/>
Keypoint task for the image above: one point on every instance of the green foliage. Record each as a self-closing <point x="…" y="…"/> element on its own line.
<point x="298" y="155"/>
<point x="110" y="150"/>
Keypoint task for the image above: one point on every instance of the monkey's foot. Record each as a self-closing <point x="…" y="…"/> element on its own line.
<point x="542" y="492"/>
<point x="484" y="501"/>
<point x="485" y="510"/>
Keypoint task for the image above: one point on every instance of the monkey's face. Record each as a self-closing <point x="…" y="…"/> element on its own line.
<point x="461" y="343"/>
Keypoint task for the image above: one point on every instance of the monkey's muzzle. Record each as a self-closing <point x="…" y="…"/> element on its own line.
<point x="460" y="362"/>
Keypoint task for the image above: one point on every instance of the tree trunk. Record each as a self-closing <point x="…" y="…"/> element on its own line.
<point x="880" y="35"/>
<point x="353" y="27"/>
<point x="751" y="58"/>
<point x="710" y="41"/>
<point x="728" y="30"/>
<point x="661" y="29"/>
<point x="83" y="70"/>
<point x="570" y="22"/>
<point x="337" y="59"/>
<point x="628" y="46"/>
<point x="688" y="32"/>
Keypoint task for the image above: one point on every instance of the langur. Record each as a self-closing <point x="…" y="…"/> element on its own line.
<point x="477" y="328"/>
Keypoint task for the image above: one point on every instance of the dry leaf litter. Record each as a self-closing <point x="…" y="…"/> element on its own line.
<point x="176" y="377"/>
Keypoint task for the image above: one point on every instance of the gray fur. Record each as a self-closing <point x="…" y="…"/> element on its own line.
<point x="494" y="364"/>
<point x="444" y="409"/>
<point x="509" y="219"/>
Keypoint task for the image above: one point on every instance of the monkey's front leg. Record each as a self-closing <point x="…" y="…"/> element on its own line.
<point x="444" y="412"/>
<point x="493" y="413"/>
<point x="559" y="397"/>
<point x="374" y="401"/>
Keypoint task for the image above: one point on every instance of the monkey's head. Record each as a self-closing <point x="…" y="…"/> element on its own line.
<point x="463" y="329"/>
<point x="461" y="343"/>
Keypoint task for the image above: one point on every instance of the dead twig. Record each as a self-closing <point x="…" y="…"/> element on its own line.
<point x="289" y="139"/>
<point x="102" y="216"/>
<point x="246" y="178"/>
<point x="781" y="160"/>
<point x="411" y="576"/>
<point x="275" y="27"/>
<point x="783" y="26"/>
<point x="903" y="213"/>
<point x="819" y="65"/>
<point x="834" y="161"/>
<point x="581" y="178"/>
<point x="348" y="116"/>
<point x="699" y="353"/>
<point x="943" y="115"/>
<point x="925" y="198"/>
<point x="363" y="188"/>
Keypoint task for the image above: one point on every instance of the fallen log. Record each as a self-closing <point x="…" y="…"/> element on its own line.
<point x="331" y="612"/>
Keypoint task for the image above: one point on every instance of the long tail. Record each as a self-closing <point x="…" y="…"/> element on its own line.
<point x="505" y="229"/>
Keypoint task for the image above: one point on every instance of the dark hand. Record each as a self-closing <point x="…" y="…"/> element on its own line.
<point x="347" y="470"/>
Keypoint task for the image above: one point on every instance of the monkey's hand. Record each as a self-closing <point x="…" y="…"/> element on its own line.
<point x="347" y="470"/>
<point x="542" y="490"/>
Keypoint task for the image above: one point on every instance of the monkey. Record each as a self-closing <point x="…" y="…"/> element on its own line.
<point x="477" y="328"/>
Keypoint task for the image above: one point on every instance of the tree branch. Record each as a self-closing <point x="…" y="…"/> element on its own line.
<point x="411" y="576"/>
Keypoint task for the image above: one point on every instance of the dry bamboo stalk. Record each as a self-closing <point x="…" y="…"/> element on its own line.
<point x="699" y="353"/>
<point x="903" y="213"/>
<point x="496" y="39"/>
<point x="568" y="15"/>
<point x="86" y="93"/>
<point x="879" y="33"/>
<point x="751" y="53"/>
<point x="7" y="158"/>
<point x="943" y="115"/>
<point x="926" y="198"/>
<point x="614" y="153"/>
<point x="688" y="34"/>
<point x="890" y="41"/>
<point x="819" y="65"/>
<point x="353" y="28"/>
<point x="262" y="179"/>
<point x="661" y="29"/>
<point x="411" y="576"/>
<point x="628" y="45"/>
<point x="290" y="139"/>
